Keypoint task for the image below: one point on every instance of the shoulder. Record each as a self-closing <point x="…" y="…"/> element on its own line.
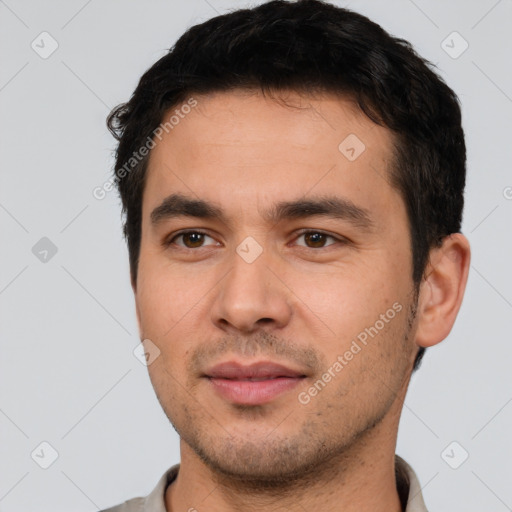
<point x="154" y="501"/>
<point x="408" y="486"/>
<point x="133" y="505"/>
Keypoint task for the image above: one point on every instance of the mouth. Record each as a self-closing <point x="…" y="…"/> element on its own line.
<point x="253" y="384"/>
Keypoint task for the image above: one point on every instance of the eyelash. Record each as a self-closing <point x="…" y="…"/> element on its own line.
<point x="170" y="241"/>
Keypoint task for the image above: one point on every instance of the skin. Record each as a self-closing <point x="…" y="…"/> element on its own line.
<point x="300" y="303"/>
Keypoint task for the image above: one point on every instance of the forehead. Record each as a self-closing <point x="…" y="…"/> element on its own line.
<point x="240" y="148"/>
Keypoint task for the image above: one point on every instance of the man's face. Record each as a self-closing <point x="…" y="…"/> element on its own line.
<point x="323" y="289"/>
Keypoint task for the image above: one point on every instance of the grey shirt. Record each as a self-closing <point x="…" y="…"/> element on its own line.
<point x="407" y="484"/>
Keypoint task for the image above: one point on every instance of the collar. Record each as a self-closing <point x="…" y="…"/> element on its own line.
<point x="408" y="487"/>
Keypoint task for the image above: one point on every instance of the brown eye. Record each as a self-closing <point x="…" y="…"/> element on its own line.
<point x="191" y="240"/>
<point x="316" y="239"/>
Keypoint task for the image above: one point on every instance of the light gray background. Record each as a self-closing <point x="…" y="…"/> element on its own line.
<point x="68" y="375"/>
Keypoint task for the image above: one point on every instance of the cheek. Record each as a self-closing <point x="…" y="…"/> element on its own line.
<point x="348" y="297"/>
<point x="166" y="296"/>
<point x="173" y="308"/>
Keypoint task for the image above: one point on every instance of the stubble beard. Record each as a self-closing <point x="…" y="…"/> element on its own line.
<point x="276" y="463"/>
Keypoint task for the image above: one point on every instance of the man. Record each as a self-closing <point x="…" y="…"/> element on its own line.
<point x="292" y="179"/>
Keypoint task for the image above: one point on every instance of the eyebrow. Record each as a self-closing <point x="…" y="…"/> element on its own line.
<point x="179" y="205"/>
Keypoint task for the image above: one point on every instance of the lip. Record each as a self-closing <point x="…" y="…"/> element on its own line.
<point x="235" y="382"/>
<point x="236" y="370"/>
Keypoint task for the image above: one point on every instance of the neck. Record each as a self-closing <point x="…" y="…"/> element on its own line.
<point x="362" y="478"/>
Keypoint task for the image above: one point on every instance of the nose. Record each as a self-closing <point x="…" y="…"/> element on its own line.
<point x="251" y="296"/>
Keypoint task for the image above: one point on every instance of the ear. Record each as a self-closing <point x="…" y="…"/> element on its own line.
<point x="442" y="289"/>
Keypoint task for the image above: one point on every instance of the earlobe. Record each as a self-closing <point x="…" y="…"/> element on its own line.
<point x="442" y="290"/>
